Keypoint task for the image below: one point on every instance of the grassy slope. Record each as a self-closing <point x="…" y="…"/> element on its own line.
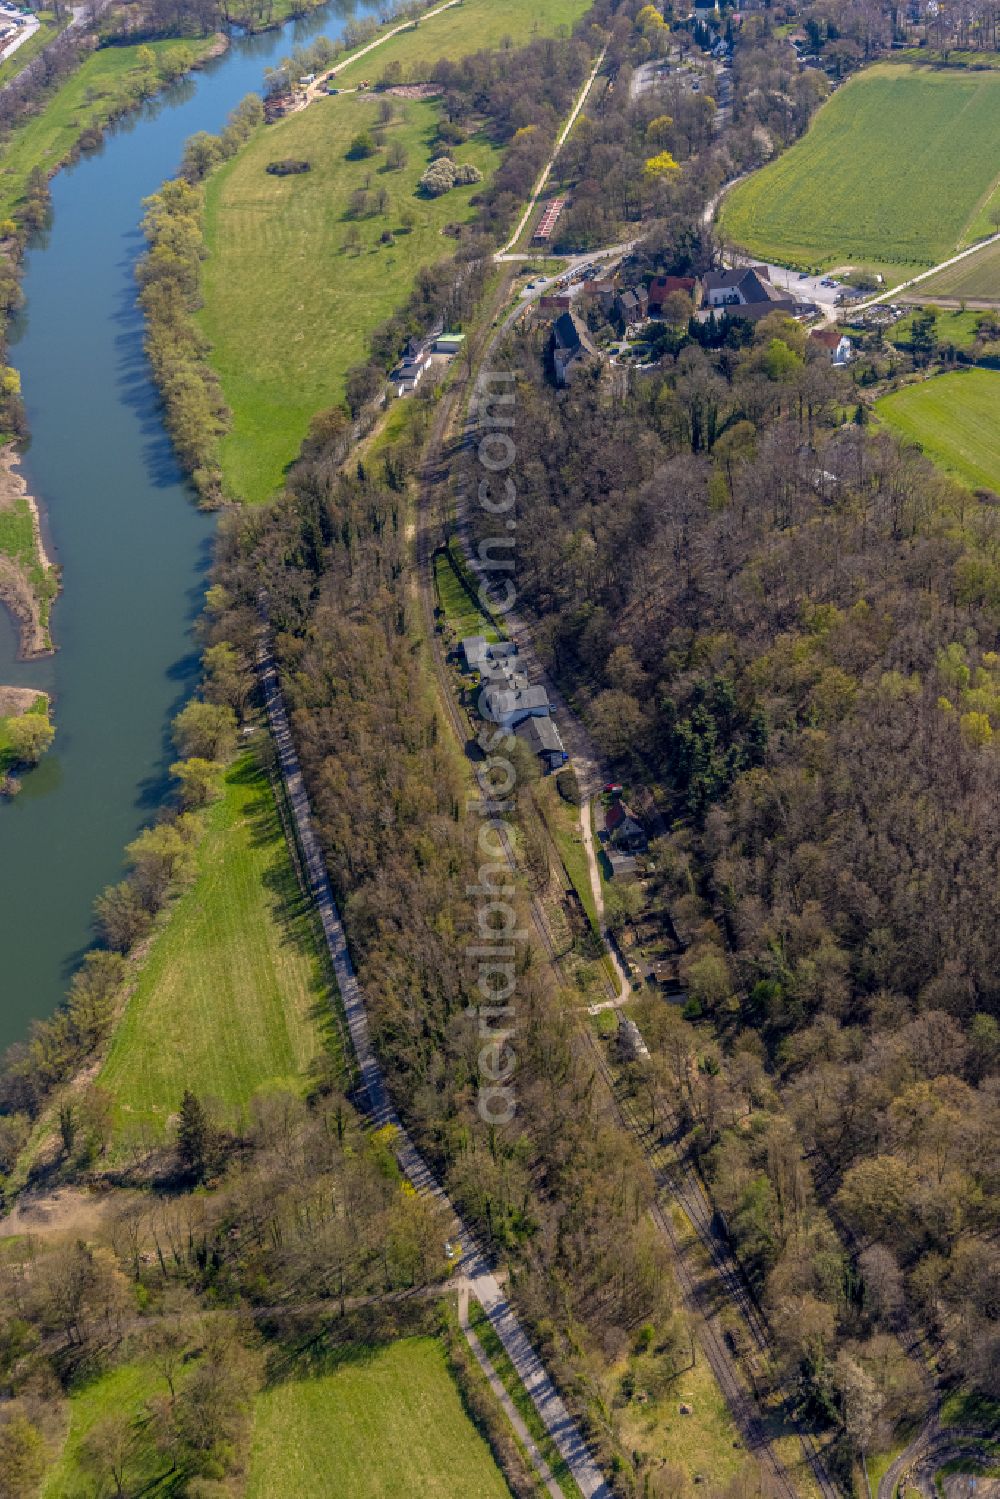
<point x="17" y="541"/>
<point x="287" y="309"/>
<point x="977" y="277"/>
<point x="383" y="1423"/>
<point x="898" y="166"/>
<point x="90" y="97"/>
<point x="956" y="419"/>
<point x="469" y="27"/>
<point x="234" y="993"/>
<point x="125" y="1389"/>
<point x="951" y="326"/>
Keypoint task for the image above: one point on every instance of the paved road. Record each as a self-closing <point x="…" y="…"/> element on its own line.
<point x="476" y="1266"/>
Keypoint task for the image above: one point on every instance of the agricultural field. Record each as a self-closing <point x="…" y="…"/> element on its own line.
<point x="974" y="279"/>
<point x="381" y="1422"/>
<point x="233" y="996"/>
<point x="108" y="81"/>
<point x="289" y="303"/>
<point x="473" y="26"/>
<point x="898" y="168"/>
<point x="956" y="420"/>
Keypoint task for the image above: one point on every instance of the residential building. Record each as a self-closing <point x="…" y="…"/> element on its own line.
<point x="632" y="306"/>
<point x="625" y="831"/>
<point x="508" y="705"/>
<point x="544" y="740"/>
<point x="571" y="347"/>
<point x="630" y="1043"/>
<point x="661" y="287"/>
<point x="747" y="286"/>
<point x="836" y="345"/>
<point x="485" y="656"/>
<point x="603" y="292"/>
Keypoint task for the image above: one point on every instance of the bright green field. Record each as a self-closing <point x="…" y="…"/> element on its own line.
<point x="469" y="27"/>
<point x="107" y="79"/>
<point x="899" y="166"/>
<point x="383" y="1423"/>
<point x="287" y="308"/>
<point x="956" y="420"/>
<point x="233" y="996"/>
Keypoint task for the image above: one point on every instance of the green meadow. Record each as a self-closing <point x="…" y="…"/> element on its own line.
<point x="956" y="420"/>
<point x="899" y="167"/>
<point x="472" y="26"/>
<point x="289" y="301"/>
<point x="234" y="994"/>
<point x="383" y="1422"/>
<point x="107" y="82"/>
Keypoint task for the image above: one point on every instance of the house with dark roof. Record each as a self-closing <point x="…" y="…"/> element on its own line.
<point x="571" y="347"/>
<point x="508" y="703"/>
<point x="625" y="831"/>
<point x="632" y="306"/>
<point x="544" y="740"/>
<point x="747" y="286"/>
<point x="603" y="292"/>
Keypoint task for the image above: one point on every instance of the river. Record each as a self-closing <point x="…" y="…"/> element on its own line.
<point x="119" y="519"/>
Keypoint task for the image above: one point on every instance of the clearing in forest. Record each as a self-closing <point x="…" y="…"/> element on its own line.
<point x="899" y="167"/>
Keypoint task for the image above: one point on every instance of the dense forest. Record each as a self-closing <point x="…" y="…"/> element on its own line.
<point x="786" y="628"/>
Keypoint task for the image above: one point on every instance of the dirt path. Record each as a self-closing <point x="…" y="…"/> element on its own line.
<point x="317" y="87"/>
<point x="547" y="169"/>
<point x="18" y="590"/>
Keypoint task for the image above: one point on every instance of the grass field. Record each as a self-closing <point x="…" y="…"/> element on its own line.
<point x="469" y="27"/>
<point x="383" y="1422"/>
<point x="898" y="167"/>
<point x="977" y="278"/>
<point x="125" y="1389"/>
<point x="956" y="420"/>
<point x="107" y="81"/>
<point x="460" y="608"/>
<point x="288" y="309"/>
<point x="952" y="326"/>
<point x="233" y="996"/>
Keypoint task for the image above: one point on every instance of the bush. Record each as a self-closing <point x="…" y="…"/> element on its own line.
<point x="361" y="146"/>
<point x="568" y="786"/>
<point x="466" y="173"/>
<point x="439" y="177"/>
<point x="289" y="167"/>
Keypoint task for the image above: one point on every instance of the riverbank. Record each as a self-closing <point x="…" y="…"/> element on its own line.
<point x="29" y="579"/>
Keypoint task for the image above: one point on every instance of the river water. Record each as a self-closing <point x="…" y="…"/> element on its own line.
<point x="120" y="521"/>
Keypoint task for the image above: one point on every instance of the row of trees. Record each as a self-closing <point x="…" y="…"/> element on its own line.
<point x="169" y="281"/>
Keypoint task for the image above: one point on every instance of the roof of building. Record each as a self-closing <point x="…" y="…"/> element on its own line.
<point x="752" y="282"/>
<point x="501" y="702"/>
<point x="617" y="814"/>
<point x="570" y="334"/>
<point x="661" y="287"/>
<point x="541" y="735"/>
<point x="827" y="338"/>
